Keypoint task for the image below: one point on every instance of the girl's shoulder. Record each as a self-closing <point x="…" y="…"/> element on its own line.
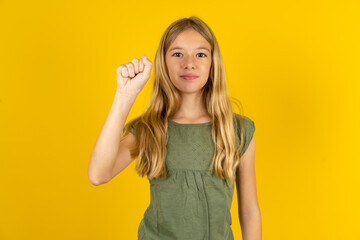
<point x="248" y="129"/>
<point x="132" y="124"/>
<point x="247" y="122"/>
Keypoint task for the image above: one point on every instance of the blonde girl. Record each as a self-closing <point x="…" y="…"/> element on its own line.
<point x="189" y="142"/>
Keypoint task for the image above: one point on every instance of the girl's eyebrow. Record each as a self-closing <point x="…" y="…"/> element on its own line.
<point x="174" y="48"/>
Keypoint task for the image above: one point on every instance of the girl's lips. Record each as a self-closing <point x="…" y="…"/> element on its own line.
<point x="188" y="77"/>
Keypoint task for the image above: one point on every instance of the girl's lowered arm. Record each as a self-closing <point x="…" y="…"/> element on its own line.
<point x="249" y="211"/>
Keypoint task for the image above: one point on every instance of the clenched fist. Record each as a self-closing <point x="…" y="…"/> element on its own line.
<point x="132" y="76"/>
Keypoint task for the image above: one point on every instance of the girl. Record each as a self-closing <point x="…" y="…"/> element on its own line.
<point x="188" y="142"/>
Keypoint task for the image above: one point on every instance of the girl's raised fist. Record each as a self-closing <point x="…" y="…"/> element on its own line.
<point x="132" y="76"/>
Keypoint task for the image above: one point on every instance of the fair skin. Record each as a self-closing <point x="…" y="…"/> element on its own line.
<point x="248" y="206"/>
<point x="190" y="57"/>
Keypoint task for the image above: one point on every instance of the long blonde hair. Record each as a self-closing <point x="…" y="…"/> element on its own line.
<point x="151" y="126"/>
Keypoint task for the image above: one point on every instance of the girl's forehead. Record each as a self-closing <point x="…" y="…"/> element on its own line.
<point x="189" y="36"/>
<point x="190" y="40"/>
<point x="191" y="44"/>
<point x="196" y="47"/>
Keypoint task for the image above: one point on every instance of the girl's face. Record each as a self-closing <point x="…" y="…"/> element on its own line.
<point x="189" y="54"/>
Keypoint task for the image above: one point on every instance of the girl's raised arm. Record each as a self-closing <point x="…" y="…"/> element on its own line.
<point x="108" y="158"/>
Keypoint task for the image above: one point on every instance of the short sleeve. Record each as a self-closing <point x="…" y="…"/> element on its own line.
<point x="249" y="128"/>
<point x="132" y="129"/>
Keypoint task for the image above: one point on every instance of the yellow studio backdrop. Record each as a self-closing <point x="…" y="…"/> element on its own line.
<point x="293" y="65"/>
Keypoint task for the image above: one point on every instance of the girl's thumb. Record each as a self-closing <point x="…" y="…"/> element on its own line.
<point x="147" y="64"/>
<point x="145" y="60"/>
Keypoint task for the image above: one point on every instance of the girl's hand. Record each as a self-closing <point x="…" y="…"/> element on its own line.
<point x="132" y="76"/>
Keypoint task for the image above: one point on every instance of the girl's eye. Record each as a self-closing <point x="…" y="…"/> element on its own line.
<point x="198" y="53"/>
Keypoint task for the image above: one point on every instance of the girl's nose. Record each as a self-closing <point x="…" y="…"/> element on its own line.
<point x="189" y="62"/>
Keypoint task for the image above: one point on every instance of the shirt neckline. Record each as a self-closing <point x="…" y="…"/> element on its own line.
<point x="189" y="124"/>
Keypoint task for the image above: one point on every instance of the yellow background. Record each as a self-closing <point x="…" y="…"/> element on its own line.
<point x="294" y="65"/>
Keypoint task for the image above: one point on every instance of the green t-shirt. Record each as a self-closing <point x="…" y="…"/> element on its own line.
<point x="190" y="203"/>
